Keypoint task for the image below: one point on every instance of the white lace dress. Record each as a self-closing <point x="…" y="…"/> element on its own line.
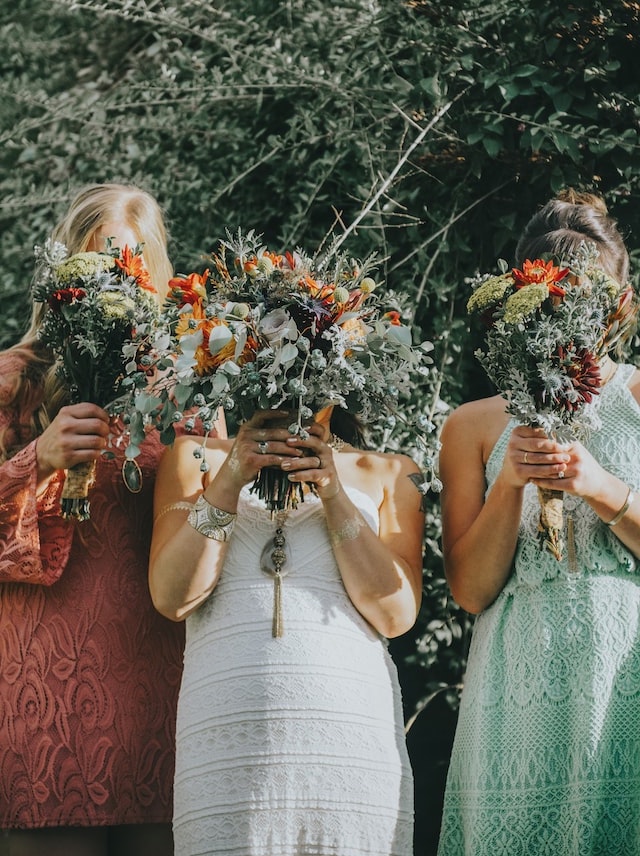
<point x="289" y="746"/>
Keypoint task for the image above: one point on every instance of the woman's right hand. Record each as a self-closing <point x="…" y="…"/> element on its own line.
<point x="532" y="455"/>
<point x="79" y="433"/>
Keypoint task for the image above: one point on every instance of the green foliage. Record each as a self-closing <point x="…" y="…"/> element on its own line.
<point x="294" y="117"/>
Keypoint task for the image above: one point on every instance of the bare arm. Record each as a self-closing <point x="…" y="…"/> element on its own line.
<point x="382" y="573"/>
<point x="185" y="565"/>
<point x="480" y="537"/>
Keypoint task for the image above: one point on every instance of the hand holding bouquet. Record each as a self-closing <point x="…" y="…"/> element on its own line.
<point x="93" y="304"/>
<point x="261" y="331"/>
<point x="550" y="324"/>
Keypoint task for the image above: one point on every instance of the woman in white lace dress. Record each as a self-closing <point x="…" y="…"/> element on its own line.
<point x="290" y="735"/>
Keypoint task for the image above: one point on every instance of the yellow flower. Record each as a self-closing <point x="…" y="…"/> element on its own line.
<point x="524" y="302"/>
<point x="489" y="293"/>
<point x="116" y="306"/>
<point x="367" y="285"/>
<point x="81" y="265"/>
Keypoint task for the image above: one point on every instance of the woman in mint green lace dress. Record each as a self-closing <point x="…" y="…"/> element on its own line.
<point x="546" y="759"/>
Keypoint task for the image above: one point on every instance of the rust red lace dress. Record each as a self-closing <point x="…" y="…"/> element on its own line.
<point x="89" y="672"/>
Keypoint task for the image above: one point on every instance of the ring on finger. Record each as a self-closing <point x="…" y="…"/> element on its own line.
<point x="561" y="474"/>
<point x="526" y="456"/>
<point x="263" y="447"/>
<point x="319" y="460"/>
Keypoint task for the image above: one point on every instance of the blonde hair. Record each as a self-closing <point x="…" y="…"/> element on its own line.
<point x="37" y="387"/>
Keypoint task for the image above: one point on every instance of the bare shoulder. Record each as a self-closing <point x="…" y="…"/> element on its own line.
<point x="389" y="463"/>
<point x="475" y="427"/>
<point x="375" y="473"/>
<point x="478" y="412"/>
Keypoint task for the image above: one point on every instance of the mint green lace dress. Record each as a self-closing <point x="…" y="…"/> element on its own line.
<point x="546" y="758"/>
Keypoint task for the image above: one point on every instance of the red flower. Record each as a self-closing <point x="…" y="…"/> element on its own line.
<point x="583" y="371"/>
<point x="65" y="296"/>
<point x="133" y="266"/>
<point x="540" y="272"/>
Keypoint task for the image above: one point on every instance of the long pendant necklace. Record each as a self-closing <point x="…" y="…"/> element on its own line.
<point x="273" y="559"/>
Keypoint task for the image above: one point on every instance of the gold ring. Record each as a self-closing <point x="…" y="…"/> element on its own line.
<point x="526" y="455"/>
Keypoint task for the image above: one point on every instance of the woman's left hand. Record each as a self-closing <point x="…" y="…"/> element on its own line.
<point x="316" y="466"/>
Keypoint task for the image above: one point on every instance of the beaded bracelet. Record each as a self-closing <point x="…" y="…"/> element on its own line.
<point x="210" y="521"/>
<point x="620" y="514"/>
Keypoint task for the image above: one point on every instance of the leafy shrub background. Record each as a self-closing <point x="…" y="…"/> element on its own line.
<point x="437" y="128"/>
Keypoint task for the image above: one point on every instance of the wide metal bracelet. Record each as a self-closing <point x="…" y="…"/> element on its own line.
<point x="210" y="521"/>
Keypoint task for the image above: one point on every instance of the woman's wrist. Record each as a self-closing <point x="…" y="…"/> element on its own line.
<point x="624" y="508"/>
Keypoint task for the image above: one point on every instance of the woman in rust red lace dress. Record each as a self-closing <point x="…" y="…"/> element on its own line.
<point x="90" y="671"/>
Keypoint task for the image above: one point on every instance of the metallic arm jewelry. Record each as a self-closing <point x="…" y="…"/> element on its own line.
<point x="210" y="521"/>
<point x="173" y="506"/>
<point x="620" y="514"/>
<point x="349" y="531"/>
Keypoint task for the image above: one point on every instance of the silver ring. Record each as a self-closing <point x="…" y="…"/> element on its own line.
<point x="263" y="447"/>
<point x="526" y="455"/>
<point x="561" y="474"/>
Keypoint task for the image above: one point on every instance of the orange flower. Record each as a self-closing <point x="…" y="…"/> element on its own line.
<point x="206" y="362"/>
<point x="133" y="266"/>
<point x="393" y="318"/>
<point x="540" y="272"/>
<point x="319" y="290"/>
<point x="189" y="289"/>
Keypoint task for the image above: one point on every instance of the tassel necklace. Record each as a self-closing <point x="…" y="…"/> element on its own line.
<point x="275" y="555"/>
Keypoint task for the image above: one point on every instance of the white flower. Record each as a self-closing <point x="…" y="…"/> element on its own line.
<point x="278" y="325"/>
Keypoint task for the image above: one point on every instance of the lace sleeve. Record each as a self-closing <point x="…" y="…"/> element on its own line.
<point x="34" y="540"/>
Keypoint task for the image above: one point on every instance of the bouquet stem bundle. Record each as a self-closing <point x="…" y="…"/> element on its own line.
<point x="74" y="502"/>
<point x="551" y="525"/>
<point x="273" y="487"/>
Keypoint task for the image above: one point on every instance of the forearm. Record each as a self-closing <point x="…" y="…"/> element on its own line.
<point x="185" y="564"/>
<point x="479" y="563"/>
<point x="618" y="501"/>
<point x="380" y="584"/>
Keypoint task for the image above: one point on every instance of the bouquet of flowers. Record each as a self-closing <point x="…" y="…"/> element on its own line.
<point x="261" y="330"/>
<point x="93" y="304"/>
<point x="550" y="324"/>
